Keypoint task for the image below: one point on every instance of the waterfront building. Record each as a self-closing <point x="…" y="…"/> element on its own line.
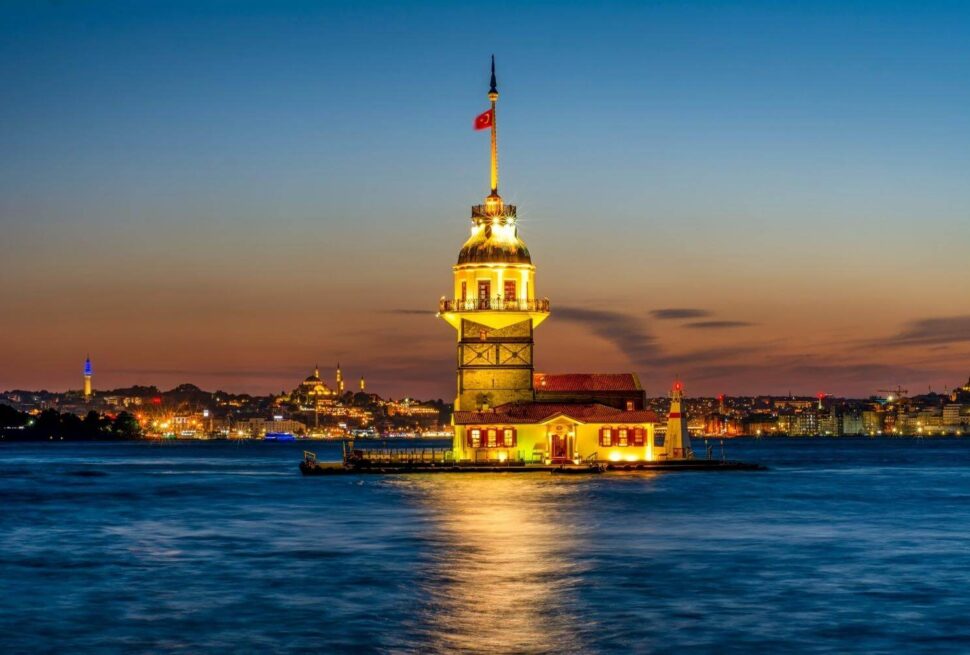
<point x="803" y="424"/>
<point x="758" y="425"/>
<point x="853" y="423"/>
<point x="952" y="415"/>
<point x="504" y="410"/>
<point x="256" y="428"/>
<point x="829" y="423"/>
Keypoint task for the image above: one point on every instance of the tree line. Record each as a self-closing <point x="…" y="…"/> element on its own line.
<point x="51" y="424"/>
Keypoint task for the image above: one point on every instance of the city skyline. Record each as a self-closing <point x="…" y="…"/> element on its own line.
<point x="296" y="199"/>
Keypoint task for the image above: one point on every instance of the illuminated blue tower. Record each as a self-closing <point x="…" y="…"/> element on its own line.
<point x="88" y="371"/>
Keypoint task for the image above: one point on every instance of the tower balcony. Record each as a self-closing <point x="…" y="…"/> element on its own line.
<point x="500" y="210"/>
<point x="495" y="304"/>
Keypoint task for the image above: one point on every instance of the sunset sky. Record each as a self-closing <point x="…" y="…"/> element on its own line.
<point x="753" y="196"/>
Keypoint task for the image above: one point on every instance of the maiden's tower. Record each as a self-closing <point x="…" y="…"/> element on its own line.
<point x="504" y="410"/>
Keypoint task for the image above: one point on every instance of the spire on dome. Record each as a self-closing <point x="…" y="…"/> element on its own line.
<point x="493" y="88"/>
<point x="494" y="199"/>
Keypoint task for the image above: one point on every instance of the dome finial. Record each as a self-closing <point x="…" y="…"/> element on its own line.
<point x="493" y="88"/>
<point x="494" y="199"/>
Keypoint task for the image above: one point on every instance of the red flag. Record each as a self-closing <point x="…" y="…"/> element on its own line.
<point x="485" y="120"/>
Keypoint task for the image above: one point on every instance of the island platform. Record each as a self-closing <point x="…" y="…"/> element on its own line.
<point x="385" y="461"/>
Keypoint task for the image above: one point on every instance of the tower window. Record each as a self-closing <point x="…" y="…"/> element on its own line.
<point x="484" y="293"/>
<point x="464" y="291"/>
<point x="509" y="290"/>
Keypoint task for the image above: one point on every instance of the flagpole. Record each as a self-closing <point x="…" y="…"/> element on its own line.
<point x="493" y="97"/>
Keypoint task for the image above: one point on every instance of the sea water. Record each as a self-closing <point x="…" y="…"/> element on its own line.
<point x="844" y="545"/>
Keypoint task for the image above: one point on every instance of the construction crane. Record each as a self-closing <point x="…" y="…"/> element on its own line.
<point x="894" y="394"/>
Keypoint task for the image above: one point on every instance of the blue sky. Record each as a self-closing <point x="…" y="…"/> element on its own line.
<point x="230" y="191"/>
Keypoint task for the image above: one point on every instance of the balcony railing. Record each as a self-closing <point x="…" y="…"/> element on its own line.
<point x="483" y="211"/>
<point x="495" y="304"/>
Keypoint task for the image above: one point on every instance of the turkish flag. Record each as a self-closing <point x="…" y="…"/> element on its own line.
<point x="485" y="120"/>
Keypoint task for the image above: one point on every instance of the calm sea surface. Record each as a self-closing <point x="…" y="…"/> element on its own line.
<point x="844" y="546"/>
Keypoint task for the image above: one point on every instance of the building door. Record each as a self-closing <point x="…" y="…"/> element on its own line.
<point x="484" y="293"/>
<point x="560" y="448"/>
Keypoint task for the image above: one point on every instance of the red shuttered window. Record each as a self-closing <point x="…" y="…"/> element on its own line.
<point x="482" y="437"/>
<point x="623" y="438"/>
<point x="508" y="437"/>
<point x="606" y="437"/>
<point x="474" y="437"/>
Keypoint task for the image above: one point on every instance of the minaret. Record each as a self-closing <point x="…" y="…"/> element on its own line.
<point x="88" y="372"/>
<point x="677" y="441"/>
<point x="340" y="381"/>
<point x="494" y="307"/>
<point x="363" y="385"/>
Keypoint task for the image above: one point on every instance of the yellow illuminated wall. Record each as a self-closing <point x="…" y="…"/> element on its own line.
<point x="534" y="442"/>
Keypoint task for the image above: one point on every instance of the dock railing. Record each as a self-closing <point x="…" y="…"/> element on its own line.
<point x="403" y="455"/>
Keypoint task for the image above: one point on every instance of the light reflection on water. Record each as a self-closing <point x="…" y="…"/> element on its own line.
<point x="848" y="546"/>
<point x="504" y="571"/>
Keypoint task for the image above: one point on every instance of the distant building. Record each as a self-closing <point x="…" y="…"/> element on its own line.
<point x="853" y="424"/>
<point x="952" y="414"/>
<point x="256" y="428"/>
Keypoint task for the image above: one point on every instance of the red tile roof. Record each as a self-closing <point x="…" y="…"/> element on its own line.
<point x="541" y="412"/>
<point x="586" y="382"/>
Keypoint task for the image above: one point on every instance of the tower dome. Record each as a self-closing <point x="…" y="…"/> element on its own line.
<point x="494" y="241"/>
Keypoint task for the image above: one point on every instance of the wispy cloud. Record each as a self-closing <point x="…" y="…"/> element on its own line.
<point x="676" y="313"/>
<point x="626" y="332"/>
<point x="632" y="336"/>
<point x="410" y="312"/>
<point x="716" y="325"/>
<point x="930" y="332"/>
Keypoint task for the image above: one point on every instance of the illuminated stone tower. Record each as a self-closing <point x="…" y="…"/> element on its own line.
<point x="340" y="381"/>
<point x="494" y="307"/>
<point x="88" y="372"/>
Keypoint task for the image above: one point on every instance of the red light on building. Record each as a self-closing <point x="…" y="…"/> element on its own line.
<point x="157" y="400"/>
